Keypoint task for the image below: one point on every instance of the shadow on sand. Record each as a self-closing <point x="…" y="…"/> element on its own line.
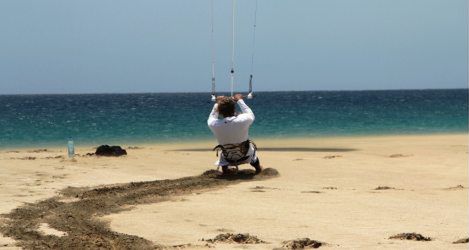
<point x="245" y="174"/>
<point x="282" y="149"/>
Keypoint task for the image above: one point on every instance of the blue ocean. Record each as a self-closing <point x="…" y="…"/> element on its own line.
<point x="93" y="119"/>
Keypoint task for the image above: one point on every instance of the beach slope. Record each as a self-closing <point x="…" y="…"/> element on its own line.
<point x="348" y="192"/>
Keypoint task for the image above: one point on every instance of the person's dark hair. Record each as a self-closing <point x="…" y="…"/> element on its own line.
<point x="226" y="107"/>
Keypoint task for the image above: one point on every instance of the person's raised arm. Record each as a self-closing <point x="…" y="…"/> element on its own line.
<point x="213" y="115"/>
<point x="247" y="113"/>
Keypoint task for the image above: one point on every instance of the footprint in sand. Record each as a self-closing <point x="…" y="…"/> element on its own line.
<point x="384" y="188"/>
<point x="26" y="158"/>
<point x="261" y="189"/>
<point x="40" y="174"/>
<point x="332" y="156"/>
<point x="258" y="191"/>
<point x="190" y="246"/>
<point x="59" y="176"/>
<point x="399" y="155"/>
<point x="40" y="150"/>
<point x="311" y="192"/>
<point x="54" y="157"/>
<point x="458" y="187"/>
<point x="224" y="230"/>
<point x="21" y="195"/>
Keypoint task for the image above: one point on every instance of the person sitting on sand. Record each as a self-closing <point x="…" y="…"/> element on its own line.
<point x="232" y="133"/>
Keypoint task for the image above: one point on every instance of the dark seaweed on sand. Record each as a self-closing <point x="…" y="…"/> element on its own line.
<point x="301" y="244"/>
<point x="462" y="241"/>
<point x="236" y="238"/>
<point x="410" y="236"/>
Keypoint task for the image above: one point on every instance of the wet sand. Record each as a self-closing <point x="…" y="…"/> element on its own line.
<point x="352" y="192"/>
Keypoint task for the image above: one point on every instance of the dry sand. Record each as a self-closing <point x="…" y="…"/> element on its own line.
<point x="350" y="193"/>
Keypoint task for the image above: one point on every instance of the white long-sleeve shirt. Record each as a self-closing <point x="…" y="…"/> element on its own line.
<point x="231" y="130"/>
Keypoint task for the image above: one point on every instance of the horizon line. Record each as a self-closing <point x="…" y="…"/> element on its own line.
<point x="227" y="91"/>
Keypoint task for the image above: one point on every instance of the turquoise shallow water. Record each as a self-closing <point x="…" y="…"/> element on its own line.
<point x="42" y="120"/>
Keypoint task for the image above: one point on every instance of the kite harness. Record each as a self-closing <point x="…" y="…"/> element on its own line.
<point x="235" y="154"/>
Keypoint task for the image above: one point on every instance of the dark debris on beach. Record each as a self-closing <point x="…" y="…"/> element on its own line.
<point x="410" y="236"/>
<point x="77" y="218"/>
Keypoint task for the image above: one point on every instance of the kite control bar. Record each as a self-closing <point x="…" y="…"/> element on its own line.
<point x="212" y="45"/>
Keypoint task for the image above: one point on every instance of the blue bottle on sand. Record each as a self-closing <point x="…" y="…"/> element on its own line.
<point x="71" y="148"/>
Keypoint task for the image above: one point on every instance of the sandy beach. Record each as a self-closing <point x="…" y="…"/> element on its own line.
<point x="347" y="192"/>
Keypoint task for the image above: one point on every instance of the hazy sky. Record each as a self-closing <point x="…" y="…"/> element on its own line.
<point x="89" y="46"/>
